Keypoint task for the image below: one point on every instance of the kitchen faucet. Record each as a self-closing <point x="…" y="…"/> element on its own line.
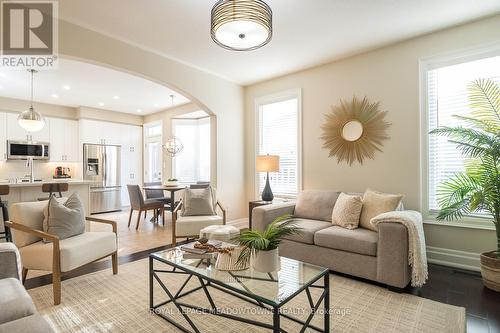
<point x="29" y="164"/>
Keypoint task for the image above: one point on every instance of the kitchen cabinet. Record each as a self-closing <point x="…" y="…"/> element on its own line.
<point x="17" y="133"/>
<point x="131" y="159"/>
<point x="101" y="132"/>
<point x="64" y="140"/>
<point x="3" y="136"/>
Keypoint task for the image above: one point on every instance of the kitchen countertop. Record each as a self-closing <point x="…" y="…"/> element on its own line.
<point x="69" y="181"/>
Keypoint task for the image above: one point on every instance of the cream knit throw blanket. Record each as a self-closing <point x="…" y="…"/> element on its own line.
<point x="417" y="256"/>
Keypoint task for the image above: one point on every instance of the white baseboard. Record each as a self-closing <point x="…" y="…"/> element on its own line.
<point x="454" y="258"/>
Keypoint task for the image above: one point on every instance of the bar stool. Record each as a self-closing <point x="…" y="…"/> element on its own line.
<point x="53" y="188"/>
<point x="4" y="190"/>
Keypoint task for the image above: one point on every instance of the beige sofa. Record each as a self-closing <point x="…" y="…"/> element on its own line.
<point x="379" y="256"/>
<point x="17" y="311"/>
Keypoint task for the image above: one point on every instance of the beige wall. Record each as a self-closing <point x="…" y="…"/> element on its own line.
<point x="213" y="94"/>
<point x="389" y="75"/>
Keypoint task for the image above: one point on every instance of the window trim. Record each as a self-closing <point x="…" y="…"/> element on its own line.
<point x="425" y="65"/>
<point x="269" y="99"/>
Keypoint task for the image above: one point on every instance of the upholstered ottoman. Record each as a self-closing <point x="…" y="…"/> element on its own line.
<point x="219" y="232"/>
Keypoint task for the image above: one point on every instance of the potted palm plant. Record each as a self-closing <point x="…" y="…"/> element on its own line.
<point x="477" y="189"/>
<point x="263" y="246"/>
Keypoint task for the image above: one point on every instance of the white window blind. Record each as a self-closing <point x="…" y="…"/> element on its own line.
<point x="447" y="95"/>
<point x="193" y="163"/>
<point x="278" y="128"/>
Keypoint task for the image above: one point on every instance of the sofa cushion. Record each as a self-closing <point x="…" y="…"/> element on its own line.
<point x="191" y="225"/>
<point x="308" y="228"/>
<point x="75" y="251"/>
<point x="15" y="302"/>
<point x="362" y="241"/>
<point x="316" y="205"/>
<point x="376" y="203"/>
<point x="35" y="323"/>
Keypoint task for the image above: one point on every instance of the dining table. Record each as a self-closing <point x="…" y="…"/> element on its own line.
<point x="171" y="189"/>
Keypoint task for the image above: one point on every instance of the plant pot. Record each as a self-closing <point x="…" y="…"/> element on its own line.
<point x="490" y="270"/>
<point x="266" y="261"/>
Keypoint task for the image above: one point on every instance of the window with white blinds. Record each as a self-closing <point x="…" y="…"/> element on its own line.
<point x="278" y="134"/>
<point x="193" y="163"/>
<point x="447" y="95"/>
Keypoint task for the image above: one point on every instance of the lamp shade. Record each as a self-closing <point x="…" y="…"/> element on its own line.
<point x="268" y="163"/>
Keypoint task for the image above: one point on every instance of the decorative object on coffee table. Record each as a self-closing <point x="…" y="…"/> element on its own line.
<point x="267" y="163"/>
<point x="220" y="232"/>
<point x="263" y="246"/>
<point x="477" y="189"/>
<point x="354" y="130"/>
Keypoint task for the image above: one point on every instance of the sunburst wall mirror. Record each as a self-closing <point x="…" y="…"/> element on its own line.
<point x="354" y="130"/>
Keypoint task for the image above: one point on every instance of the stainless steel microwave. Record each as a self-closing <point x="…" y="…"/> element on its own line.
<point x="22" y="150"/>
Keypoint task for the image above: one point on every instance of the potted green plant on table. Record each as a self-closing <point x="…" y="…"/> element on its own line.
<point x="477" y="189"/>
<point x="263" y="246"/>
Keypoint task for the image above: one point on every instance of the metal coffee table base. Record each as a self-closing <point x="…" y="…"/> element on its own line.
<point x="206" y="284"/>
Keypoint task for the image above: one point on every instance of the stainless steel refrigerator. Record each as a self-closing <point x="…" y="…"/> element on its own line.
<point x="102" y="168"/>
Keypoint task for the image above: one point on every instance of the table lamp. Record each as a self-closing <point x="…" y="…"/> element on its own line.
<point x="268" y="163"/>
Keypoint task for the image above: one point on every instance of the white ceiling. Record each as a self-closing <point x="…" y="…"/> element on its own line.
<point x="306" y="32"/>
<point x="91" y="86"/>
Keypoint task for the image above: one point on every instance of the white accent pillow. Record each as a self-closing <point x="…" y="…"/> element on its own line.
<point x="376" y="203"/>
<point x="347" y="210"/>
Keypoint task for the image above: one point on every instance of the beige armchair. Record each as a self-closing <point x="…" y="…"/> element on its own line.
<point x="60" y="255"/>
<point x="190" y="226"/>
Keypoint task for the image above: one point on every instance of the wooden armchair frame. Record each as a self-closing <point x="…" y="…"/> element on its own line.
<point x="56" y="253"/>
<point x="174" y="220"/>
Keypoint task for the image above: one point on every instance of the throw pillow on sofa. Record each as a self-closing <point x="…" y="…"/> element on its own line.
<point x="64" y="219"/>
<point x="375" y="203"/>
<point x="347" y="211"/>
<point x="315" y="205"/>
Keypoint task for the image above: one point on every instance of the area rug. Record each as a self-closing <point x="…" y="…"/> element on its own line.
<point x="101" y="302"/>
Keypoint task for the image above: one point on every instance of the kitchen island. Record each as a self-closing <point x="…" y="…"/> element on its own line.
<point x="22" y="192"/>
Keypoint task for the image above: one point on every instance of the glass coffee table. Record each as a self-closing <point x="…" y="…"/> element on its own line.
<point x="270" y="291"/>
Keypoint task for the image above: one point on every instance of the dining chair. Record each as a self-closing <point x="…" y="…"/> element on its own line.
<point x="158" y="195"/>
<point x="138" y="203"/>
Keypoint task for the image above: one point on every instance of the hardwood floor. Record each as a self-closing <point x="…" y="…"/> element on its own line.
<point x="445" y="284"/>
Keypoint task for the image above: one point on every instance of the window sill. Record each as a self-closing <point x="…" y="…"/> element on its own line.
<point x="471" y="223"/>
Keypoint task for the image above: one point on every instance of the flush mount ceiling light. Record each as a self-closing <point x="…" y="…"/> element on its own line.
<point x="241" y="25"/>
<point x="31" y="120"/>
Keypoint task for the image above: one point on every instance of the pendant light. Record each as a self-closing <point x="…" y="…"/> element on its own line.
<point x="31" y="120"/>
<point x="241" y="25"/>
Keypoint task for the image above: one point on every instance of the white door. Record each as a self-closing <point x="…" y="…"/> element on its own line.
<point x="153" y="154"/>
<point x="3" y="136"/>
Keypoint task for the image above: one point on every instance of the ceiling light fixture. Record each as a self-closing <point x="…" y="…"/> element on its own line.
<point x="101" y="104"/>
<point x="55" y="96"/>
<point x="116" y="97"/>
<point x="241" y="25"/>
<point x="139" y="110"/>
<point x="66" y="87"/>
<point x="31" y="120"/>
